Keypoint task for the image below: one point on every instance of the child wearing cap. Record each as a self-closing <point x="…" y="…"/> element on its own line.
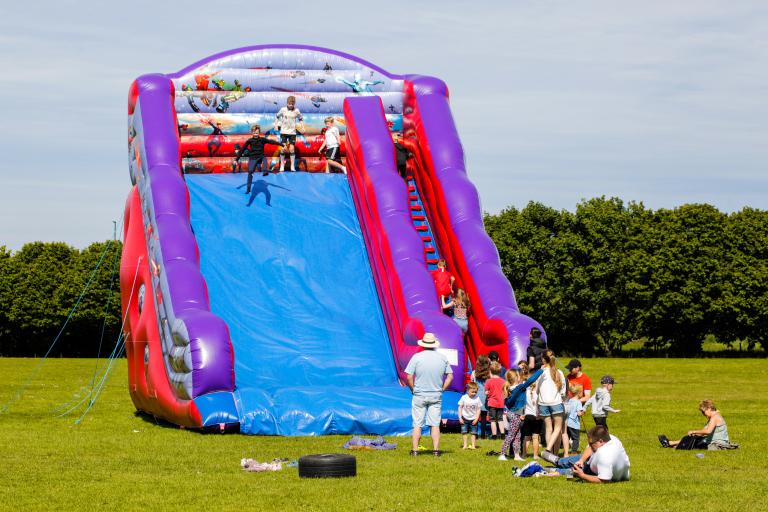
<point x="601" y="402"/>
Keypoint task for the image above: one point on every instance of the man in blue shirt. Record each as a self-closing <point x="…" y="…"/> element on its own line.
<point x="426" y="371"/>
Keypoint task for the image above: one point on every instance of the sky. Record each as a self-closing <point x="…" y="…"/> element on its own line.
<point x="664" y="103"/>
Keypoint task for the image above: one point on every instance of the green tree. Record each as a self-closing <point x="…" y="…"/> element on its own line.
<point x="538" y="247"/>
<point x="741" y="311"/>
<point x="605" y="229"/>
<point x="7" y="273"/>
<point x="39" y="286"/>
<point x="674" y="259"/>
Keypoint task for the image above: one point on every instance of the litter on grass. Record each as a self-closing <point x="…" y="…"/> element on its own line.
<point x="361" y="443"/>
<point x="533" y="469"/>
<point x="276" y="464"/>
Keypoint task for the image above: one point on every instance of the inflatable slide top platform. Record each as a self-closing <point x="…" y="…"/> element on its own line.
<point x="289" y="303"/>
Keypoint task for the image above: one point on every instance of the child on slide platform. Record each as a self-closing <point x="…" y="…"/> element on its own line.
<point x="444" y="285"/>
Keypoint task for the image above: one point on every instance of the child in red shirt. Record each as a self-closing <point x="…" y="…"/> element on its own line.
<point x="494" y="393"/>
<point x="444" y="285"/>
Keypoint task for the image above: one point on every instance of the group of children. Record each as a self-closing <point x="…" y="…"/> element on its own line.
<point x="519" y="398"/>
<point x="531" y="405"/>
<point x="287" y="122"/>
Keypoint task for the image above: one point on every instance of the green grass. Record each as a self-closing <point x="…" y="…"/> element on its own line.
<point x="117" y="460"/>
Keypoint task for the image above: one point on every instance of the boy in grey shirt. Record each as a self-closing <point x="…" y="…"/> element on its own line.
<point x="601" y="401"/>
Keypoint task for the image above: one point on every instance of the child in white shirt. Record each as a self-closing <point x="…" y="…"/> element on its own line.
<point x="469" y="414"/>
<point x="287" y="120"/>
<point x="332" y="146"/>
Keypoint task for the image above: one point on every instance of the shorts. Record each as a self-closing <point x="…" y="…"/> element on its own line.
<point x="468" y="428"/>
<point x="496" y="414"/>
<point x="601" y="420"/>
<point x="532" y="426"/>
<point x="463" y="324"/>
<point x="333" y="154"/>
<point x="551" y="410"/>
<point x="287" y="139"/>
<point x="426" y="407"/>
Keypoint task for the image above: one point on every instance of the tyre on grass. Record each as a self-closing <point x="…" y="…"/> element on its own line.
<point x="327" y="465"/>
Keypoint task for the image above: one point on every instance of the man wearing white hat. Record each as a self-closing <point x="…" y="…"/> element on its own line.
<point x="425" y="378"/>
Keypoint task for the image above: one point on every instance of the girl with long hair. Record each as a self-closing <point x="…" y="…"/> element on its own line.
<point x="461" y="307"/>
<point x="480" y="375"/>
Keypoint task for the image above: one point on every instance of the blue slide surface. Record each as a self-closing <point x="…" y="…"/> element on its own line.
<point x="293" y="282"/>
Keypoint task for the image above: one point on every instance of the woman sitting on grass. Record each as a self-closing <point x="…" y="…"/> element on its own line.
<point x="714" y="435"/>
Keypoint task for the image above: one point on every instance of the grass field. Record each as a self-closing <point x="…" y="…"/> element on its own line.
<point x="117" y="460"/>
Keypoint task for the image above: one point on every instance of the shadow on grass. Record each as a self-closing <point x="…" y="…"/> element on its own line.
<point x="225" y="428"/>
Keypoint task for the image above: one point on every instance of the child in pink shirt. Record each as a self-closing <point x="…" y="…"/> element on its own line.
<point x="494" y="393"/>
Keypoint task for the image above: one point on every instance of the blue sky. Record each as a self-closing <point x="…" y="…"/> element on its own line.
<point x="660" y="102"/>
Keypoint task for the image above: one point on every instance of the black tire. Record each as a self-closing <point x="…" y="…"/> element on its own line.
<point x="327" y="465"/>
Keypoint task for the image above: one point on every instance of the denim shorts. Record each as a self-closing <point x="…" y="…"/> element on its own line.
<point x="468" y="428"/>
<point x="550" y="410"/>
<point x="426" y="407"/>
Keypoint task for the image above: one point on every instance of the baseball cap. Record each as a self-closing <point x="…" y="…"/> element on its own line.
<point x="575" y="363"/>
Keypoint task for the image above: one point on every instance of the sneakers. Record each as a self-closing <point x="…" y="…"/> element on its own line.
<point x="664" y="440"/>
<point x="550" y="457"/>
<point x="519" y="458"/>
<point x="415" y="453"/>
<point x="502" y="457"/>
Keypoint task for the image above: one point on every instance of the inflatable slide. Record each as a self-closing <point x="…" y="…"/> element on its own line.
<point x="294" y="307"/>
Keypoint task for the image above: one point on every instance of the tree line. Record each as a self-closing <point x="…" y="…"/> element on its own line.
<point x="610" y="273"/>
<point x="40" y="284"/>
<point x="596" y="278"/>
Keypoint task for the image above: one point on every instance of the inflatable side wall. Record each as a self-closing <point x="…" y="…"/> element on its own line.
<point x="406" y="290"/>
<point x="454" y="208"/>
<point x="178" y="350"/>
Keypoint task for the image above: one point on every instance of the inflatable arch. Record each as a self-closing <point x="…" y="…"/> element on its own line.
<point x="293" y="310"/>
